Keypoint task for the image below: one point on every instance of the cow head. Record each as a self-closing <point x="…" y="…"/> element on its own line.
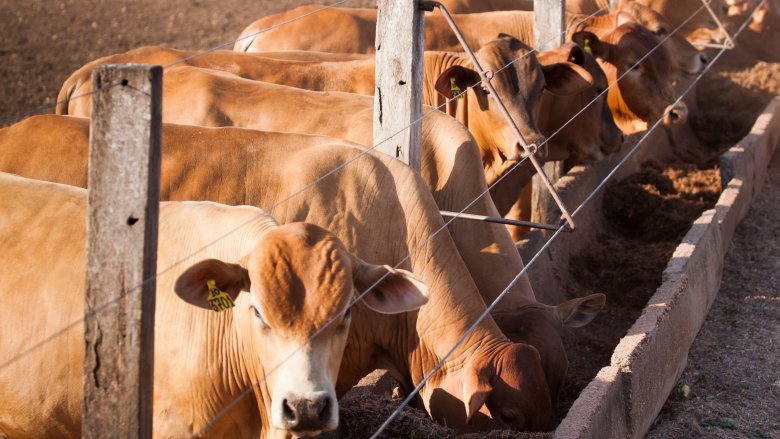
<point x="592" y="133"/>
<point x="300" y="283"/>
<point x="645" y="93"/>
<point x="540" y="326"/>
<point x="700" y="27"/>
<point x="502" y="387"/>
<point x="686" y="60"/>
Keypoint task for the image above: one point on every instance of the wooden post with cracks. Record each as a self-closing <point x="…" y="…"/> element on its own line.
<point x="123" y="206"/>
<point x="399" y="74"/>
<point x="549" y="26"/>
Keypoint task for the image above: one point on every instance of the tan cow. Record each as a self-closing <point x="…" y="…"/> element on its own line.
<point x="381" y="211"/>
<point x="292" y="286"/>
<point x="521" y="84"/>
<point x="451" y="168"/>
<point x="639" y="101"/>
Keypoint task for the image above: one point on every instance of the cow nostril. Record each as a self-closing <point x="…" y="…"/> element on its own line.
<point x="703" y="58"/>
<point x="324" y="412"/>
<point x="289" y="413"/>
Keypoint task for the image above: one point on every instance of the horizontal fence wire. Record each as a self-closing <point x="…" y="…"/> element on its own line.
<point x="555" y="235"/>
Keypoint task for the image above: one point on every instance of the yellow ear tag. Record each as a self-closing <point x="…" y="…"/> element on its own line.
<point x="455" y="89"/>
<point x="218" y="300"/>
<point x="587" y="48"/>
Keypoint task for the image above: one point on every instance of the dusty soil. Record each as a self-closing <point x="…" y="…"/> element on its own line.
<point x="44" y="41"/>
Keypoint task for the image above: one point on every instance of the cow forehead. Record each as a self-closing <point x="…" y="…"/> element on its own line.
<point x="517" y="64"/>
<point x="636" y="41"/>
<point x="302" y="277"/>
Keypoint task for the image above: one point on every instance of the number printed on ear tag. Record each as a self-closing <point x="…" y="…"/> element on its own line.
<point x="218" y="300"/>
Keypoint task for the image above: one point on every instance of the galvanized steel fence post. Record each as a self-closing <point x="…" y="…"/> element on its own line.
<point x="124" y="189"/>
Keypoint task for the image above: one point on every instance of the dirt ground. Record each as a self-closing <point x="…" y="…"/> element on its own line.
<point x="44" y="41"/>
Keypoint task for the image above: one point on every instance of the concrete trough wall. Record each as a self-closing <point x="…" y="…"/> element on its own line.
<point x="625" y="397"/>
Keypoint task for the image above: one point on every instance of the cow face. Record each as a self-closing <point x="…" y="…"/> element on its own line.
<point x="701" y="27"/>
<point x="502" y="388"/>
<point x="686" y="60"/>
<point x="580" y="126"/>
<point x="293" y="324"/>
<point x="518" y="79"/>
<point x="645" y="93"/>
<point x="540" y="326"/>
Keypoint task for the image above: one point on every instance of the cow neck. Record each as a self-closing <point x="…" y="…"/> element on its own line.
<point x="456" y="179"/>
<point x="454" y="301"/>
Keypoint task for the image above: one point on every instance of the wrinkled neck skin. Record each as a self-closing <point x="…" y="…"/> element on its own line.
<point x="451" y="169"/>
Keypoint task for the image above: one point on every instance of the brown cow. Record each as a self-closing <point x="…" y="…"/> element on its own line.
<point x="298" y="282"/>
<point x="382" y="211"/>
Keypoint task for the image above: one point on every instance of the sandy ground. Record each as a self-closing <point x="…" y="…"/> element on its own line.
<point x="44" y="41"/>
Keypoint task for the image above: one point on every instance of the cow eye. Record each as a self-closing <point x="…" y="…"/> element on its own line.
<point x="660" y="32"/>
<point x="259" y="317"/>
<point x="486" y="90"/>
<point x="347" y="318"/>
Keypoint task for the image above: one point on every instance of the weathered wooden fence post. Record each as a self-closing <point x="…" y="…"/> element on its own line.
<point x="398" y="93"/>
<point x="549" y="24"/>
<point x="124" y="191"/>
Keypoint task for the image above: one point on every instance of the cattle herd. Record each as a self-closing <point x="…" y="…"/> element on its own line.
<point x="347" y="271"/>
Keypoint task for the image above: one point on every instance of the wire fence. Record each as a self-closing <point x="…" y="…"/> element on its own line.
<point x="418" y="245"/>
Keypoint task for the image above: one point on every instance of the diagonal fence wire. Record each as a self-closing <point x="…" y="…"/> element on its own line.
<point x="555" y="235"/>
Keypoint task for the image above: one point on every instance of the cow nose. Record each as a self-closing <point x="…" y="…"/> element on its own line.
<point x="308" y="414"/>
<point x="675" y="114"/>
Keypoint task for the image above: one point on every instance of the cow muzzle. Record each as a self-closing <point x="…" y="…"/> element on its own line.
<point x="306" y="414"/>
<point x="675" y="114"/>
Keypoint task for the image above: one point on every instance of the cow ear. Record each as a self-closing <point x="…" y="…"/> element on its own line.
<point x="476" y="390"/>
<point x="579" y="312"/>
<point x="564" y="79"/>
<point x="193" y="285"/>
<point x="591" y="44"/>
<point x="392" y="290"/>
<point x="622" y="17"/>
<point x="455" y="80"/>
<point x="576" y="56"/>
